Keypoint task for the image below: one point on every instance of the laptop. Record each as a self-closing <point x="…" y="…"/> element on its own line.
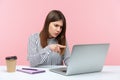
<point x="85" y="58"/>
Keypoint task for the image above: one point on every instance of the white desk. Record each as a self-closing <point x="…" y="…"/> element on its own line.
<point x="108" y="73"/>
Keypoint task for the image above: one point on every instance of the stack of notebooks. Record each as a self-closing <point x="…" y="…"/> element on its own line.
<point x="30" y="70"/>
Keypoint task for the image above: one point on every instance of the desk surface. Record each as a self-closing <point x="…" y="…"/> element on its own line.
<point x="108" y="73"/>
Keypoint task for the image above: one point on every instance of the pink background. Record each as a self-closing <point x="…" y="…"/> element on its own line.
<point x="88" y="21"/>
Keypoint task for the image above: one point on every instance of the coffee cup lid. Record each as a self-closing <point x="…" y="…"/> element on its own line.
<point x="11" y="57"/>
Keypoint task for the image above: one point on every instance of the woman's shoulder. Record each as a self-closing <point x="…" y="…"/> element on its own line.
<point x="34" y="36"/>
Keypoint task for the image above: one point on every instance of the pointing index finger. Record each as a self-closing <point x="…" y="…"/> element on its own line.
<point x="61" y="46"/>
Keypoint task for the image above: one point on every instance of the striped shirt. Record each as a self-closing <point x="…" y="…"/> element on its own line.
<point x="38" y="56"/>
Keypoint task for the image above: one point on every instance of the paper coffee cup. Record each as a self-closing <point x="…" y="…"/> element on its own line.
<point x="11" y="63"/>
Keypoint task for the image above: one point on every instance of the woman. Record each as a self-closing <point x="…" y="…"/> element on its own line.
<point x="49" y="47"/>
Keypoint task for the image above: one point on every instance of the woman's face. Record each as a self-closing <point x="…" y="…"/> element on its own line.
<point x="55" y="28"/>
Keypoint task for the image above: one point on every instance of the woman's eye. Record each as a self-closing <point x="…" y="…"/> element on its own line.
<point x="56" y="25"/>
<point x="61" y="27"/>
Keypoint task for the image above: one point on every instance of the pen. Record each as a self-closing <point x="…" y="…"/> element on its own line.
<point x="29" y="69"/>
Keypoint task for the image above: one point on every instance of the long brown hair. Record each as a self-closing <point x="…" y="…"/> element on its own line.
<point x="54" y="15"/>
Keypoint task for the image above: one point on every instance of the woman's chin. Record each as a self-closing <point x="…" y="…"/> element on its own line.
<point x="54" y="36"/>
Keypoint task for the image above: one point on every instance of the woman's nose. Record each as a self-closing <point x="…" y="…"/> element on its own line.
<point x="58" y="29"/>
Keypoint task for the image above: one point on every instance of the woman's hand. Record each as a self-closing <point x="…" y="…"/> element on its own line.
<point x="56" y="47"/>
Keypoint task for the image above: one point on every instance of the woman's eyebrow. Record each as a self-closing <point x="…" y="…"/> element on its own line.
<point x="58" y="24"/>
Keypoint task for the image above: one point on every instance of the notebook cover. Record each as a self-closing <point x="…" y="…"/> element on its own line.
<point x="31" y="71"/>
